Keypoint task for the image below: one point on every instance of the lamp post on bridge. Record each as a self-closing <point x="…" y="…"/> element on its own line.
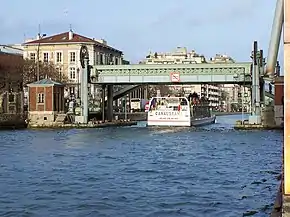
<point x="255" y="117"/>
<point x="39" y="37"/>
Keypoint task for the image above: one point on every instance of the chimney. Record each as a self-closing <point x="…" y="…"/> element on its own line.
<point x="70" y="35"/>
<point x="38" y="36"/>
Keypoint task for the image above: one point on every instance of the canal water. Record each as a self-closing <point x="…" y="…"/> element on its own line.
<point x="212" y="171"/>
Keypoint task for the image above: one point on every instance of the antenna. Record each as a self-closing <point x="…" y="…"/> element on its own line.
<point x="70" y="27"/>
<point x="39" y="29"/>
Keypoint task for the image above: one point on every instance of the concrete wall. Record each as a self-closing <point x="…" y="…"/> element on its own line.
<point x="286" y="97"/>
<point x="41" y="118"/>
<point x="279" y="99"/>
<point x="8" y="121"/>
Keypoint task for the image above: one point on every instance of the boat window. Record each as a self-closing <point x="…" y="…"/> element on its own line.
<point x="172" y="101"/>
<point x="183" y="101"/>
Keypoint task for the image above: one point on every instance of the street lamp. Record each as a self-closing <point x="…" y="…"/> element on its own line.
<point x="37" y="69"/>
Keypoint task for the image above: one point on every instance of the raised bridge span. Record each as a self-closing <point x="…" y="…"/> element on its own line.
<point x="229" y="73"/>
<point x="133" y="76"/>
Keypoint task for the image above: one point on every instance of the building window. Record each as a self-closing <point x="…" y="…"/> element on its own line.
<point x="11" y="98"/>
<point x="101" y="59"/>
<point x="32" y="56"/>
<point x="59" y="72"/>
<point x="45" y="57"/>
<point x="58" y="57"/>
<point x="110" y="59"/>
<point x="72" y="57"/>
<point x="72" y="73"/>
<point x="40" y="98"/>
<point x="72" y="90"/>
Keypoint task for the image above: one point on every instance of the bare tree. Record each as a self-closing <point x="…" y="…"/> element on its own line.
<point x="45" y="70"/>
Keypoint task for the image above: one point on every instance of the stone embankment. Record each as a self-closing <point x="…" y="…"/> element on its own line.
<point x="12" y="121"/>
<point x="91" y="124"/>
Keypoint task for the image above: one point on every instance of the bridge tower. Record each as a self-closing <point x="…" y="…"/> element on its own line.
<point x="257" y="62"/>
<point x="84" y="58"/>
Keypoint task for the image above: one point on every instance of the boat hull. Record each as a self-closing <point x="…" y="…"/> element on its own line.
<point x="194" y="122"/>
<point x="203" y="121"/>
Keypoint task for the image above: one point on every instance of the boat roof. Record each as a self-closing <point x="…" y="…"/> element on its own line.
<point x="169" y="97"/>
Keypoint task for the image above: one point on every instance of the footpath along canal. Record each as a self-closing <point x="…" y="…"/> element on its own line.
<point x="211" y="171"/>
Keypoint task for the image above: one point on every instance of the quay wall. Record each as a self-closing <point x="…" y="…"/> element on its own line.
<point x="12" y="121"/>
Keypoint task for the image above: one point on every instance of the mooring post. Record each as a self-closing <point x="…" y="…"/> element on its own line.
<point x="110" y="102"/>
<point x="103" y="102"/>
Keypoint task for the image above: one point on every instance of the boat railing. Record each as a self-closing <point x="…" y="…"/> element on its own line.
<point x="168" y="103"/>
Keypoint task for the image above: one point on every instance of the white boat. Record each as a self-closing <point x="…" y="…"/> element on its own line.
<point x="178" y="112"/>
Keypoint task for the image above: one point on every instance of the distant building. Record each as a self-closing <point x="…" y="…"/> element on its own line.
<point x="220" y="58"/>
<point x="11" y="49"/>
<point x="237" y="97"/>
<point x="181" y="56"/>
<point x="126" y="62"/>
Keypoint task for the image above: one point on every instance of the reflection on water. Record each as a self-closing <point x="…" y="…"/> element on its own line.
<point x="139" y="171"/>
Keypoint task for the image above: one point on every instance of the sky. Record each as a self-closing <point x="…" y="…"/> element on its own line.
<point x="137" y="27"/>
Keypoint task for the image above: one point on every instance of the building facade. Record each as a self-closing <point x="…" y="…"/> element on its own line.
<point x="233" y="97"/>
<point x="63" y="50"/>
<point x="179" y="56"/>
<point x="182" y="56"/>
<point x="221" y="58"/>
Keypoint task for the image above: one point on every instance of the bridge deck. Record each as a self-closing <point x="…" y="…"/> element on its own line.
<point x="177" y="73"/>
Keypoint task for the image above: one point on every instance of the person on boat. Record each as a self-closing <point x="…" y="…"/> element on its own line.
<point x="152" y="104"/>
<point x="189" y="97"/>
<point x="179" y="107"/>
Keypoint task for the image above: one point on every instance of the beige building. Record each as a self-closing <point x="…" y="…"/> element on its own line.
<point x="221" y="58"/>
<point x="179" y="56"/>
<point x="64" y="51"/>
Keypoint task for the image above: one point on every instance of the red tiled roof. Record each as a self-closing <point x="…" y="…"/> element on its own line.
<point x="64" y="38"/>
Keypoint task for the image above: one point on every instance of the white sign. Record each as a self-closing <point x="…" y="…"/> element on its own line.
<point x="175" y="77"/>
<point x="164" y="113"/>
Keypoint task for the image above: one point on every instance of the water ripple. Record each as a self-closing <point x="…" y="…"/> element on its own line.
<point x="138" y="171"/>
